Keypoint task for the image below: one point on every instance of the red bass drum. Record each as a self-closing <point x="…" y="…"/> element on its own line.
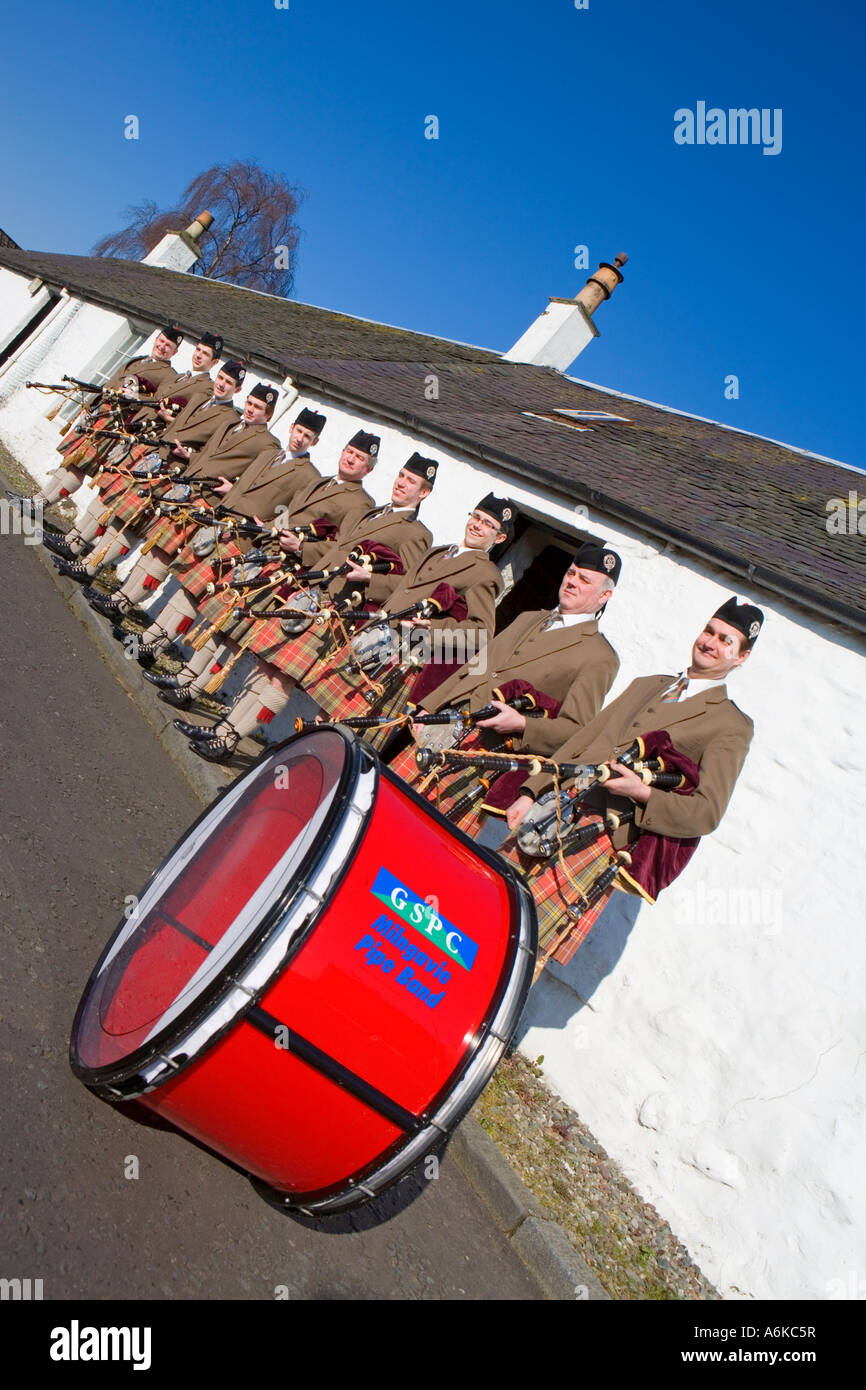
<point x="318" y="981"/>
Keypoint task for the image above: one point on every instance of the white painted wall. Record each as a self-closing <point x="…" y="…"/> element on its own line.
<point x="719" y="1058"/>
<point x="17" y="304"/>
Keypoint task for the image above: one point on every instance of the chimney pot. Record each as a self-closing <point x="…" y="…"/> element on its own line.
<point x="202" y="223"/>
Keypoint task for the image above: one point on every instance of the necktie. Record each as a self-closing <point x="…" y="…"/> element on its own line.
<point x="676" y="689"/>
<point x="452" y="551"/>
<point x="553" y="620"/>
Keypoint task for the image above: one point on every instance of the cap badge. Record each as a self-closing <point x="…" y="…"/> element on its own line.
<point x="754" y="629"/>
<point x="609" y="563"/>
<point x="506" y="513"/>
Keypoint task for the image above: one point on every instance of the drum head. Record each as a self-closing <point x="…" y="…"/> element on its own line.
<point x="209" y="911"/>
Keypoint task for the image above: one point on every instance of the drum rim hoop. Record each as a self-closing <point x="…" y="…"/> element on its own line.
<point x="123" y="1080"/>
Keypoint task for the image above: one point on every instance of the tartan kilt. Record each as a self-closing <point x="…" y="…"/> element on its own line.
<point x="294" y="657"/>
<point x="130" y="508"/>
<point x="92" y="450"/>
<point x="195" y="574"/>
<point x="341" y="700"/>
<point x="244" y="626"/>
<point x="553" y="894"/>
<point x="110" y="484"/>
<point x="214" y="607"/>
<point x="169" y="536"/>
<point x="405" y="766"/>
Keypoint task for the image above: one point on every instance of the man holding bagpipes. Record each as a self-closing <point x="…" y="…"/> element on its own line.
<point x="545" y="676"/>
<point x="329" y="500"/>
<point x="201" y="479"/>
<point x="369" y="554"/>
<point x="248" y="450"/>
<point x="631" y="827"/>
<point x="106" y="528"/>
<point x="438" y="613"/>
<point x="81" y="448"/>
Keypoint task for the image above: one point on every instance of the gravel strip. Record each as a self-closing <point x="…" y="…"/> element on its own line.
<point x="623" y="1240"/>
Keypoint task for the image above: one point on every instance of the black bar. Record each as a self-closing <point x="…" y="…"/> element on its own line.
<point x="187" y="931"/>
<point x="336" y="1072"/>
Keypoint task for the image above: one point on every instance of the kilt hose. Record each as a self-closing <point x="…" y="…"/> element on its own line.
<point x="557" y="895"/>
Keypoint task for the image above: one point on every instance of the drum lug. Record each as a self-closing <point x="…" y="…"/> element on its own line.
<point x="491" y="1033"/>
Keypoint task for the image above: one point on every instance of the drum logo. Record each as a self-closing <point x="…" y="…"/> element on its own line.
<point x="416" y="913"/>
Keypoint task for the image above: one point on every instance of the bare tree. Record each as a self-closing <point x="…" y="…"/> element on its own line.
<point x="254" y="238"/>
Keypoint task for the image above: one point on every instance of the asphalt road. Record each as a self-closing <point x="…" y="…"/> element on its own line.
<point x="89" y="803"/>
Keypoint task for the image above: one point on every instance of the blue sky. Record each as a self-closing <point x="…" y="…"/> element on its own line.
<point x="555" y="130"/>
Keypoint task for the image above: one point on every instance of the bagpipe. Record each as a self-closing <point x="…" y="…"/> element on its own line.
<point x="143" y="478"/>
<point x="540" y="831"/>
<point x="450" y="726"/>
<point x="223" y="523"/>
<point x="234" y="523"/>
<point x="187" y="488"/>
<point x="567" y="835"/>
<point x="68" y="387"/>
<point x="376" y="645"/>
<point x="71" y="390"/>
<point x="309" y="606"/>
<point x="463" y="719"/>
<point x="174" y="404"/>
<point x="88" y="386"/>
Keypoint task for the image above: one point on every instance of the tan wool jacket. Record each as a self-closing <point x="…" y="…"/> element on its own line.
<point x="196" y="424"/>
<point x="401" y="531"/>
<point x="268" y="485"/>
<point x="232" y="448"/>
<point x="160" y="374"/>
<point x="575" y="665"/>
<point x="708" y="727"/>
<point x="192" y="387"/>
<point x="472" y="573"/>
<point x="327" y="499"/>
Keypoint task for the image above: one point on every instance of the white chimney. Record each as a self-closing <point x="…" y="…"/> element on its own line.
<point x="566" y="326"/>
<point x="180" y="250"/>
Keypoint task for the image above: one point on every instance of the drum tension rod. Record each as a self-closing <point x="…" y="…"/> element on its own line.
<point x="340" y="1075"/>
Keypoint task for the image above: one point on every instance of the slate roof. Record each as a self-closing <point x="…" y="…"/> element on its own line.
<point x="744" y="503"/>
